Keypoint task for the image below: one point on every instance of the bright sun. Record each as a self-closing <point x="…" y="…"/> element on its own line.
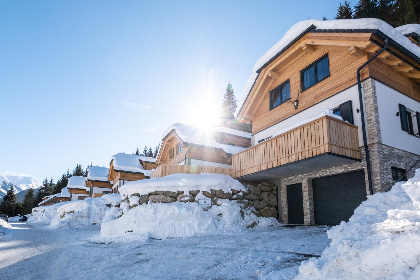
<point x="206" y="116"/>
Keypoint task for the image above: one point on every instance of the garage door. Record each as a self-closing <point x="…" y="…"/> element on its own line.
<point x="336" y="197"/>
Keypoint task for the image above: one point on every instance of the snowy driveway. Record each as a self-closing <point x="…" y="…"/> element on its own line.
<point x="36" y="252"/>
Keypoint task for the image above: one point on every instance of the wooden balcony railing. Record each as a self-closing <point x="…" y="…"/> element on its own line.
<point x="323" y="135"/>
<point x="168" y="169"/>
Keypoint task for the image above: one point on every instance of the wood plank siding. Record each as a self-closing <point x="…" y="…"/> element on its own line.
<point x="323" y="135"/>
<point x="167" y="169"/>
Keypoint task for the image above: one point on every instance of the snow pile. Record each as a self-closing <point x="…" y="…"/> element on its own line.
<point x="195" y="135"/>
<point x="77" y="182"/>
<point x="409" y="29"/>
<point x="380" y="241"/>
<point x="178" y="219"/>
<point x="182" y="182"/>
<point x="3" y="226"/>
<point x="44" y="214"/>
<point x="90" y="211"/>
<point x="334" y="25"/>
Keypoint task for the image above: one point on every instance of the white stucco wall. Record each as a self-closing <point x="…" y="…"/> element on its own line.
<point x="330" y="103"/>
<point x="75" y="196"/>
<point x="390" y="124"/>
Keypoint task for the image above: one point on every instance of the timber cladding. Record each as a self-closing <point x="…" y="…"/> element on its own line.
<point x="98" y="184"/>
<point x="128" y="176"/>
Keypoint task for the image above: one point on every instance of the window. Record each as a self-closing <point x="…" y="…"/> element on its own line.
<point x="280" y="94"/>
<point x="316" y="72"/>
<point x="345" y="111"/>
<point x="397" y="173"/>
<point x="410" y="120"/>
<point x="179" y="149"/>
<point x="171" y="153"/>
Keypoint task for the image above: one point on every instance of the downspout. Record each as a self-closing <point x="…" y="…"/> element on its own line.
<point x="365" y="142"/>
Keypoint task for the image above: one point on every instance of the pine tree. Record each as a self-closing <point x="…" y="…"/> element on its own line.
<point x="366" y="9"/>
<point x="344" y="11"/>
<point x="137" y="151"/>
<point x="405" y="13"/>
<point x="28" y="202"/>
<point x="78" y="170"/>
<point x="156" y="151"/>
<point x="144" y="151"/>
<point x="61" y="183"/>
<point x="229" y="104"/>
<point x="150" y="152"/>
<point x="10" y="206"/>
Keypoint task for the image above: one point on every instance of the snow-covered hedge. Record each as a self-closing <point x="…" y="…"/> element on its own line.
<point x="380" y="241"/>
<point x="90" y="211"/>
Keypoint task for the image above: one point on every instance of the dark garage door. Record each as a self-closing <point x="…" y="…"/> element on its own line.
<point x="336" y="197"/>
<point x="295" y="204"/>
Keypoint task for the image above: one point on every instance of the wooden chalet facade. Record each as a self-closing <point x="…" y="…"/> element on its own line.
<point x="188" y="149"/>
<point x="77" y="188"/>
<point x="126" y="167"/>
<point x="97" y="181"/>
<point x="303" y="104"/>
<point x="63" y="196"/>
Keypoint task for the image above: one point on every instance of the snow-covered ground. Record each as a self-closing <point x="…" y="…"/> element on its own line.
<point x="35" y="251"/>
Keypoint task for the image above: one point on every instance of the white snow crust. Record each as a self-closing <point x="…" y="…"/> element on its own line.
<point x="178" y="219"/>
<point x="77" y="182"/>
<point x="380" y="241"/>
<point x="195" y="135"/>
<point x="340" y="24"/>
<point x="233" y="131"/>
<point x="98" y="173"/>
<point x="409" y="28"/>
<point x="182" y="182"/>
<point x="130" y="163"/>
<point x="76" y="214"/>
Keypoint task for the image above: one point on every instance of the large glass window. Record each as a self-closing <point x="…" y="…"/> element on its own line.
<point x="316" y="72"/>
<point x="280" y="94"/>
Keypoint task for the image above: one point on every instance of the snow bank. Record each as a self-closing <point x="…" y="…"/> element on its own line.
<point x="178" y="219"/>
<point x="4" y="226"/>
<point x="77" y="214"/>
<point x="182" y="182"/>
<point x="380" y="241"/>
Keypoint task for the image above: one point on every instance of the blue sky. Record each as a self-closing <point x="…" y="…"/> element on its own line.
<point x="83" y="80"/>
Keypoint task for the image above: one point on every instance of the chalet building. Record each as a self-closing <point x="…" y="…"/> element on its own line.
<point x="189" y="149"/>
<point x="97" y="181"/>
<point x="77" y="188"/>
<point x="64" y="195"/>
<point x="313" y="130"/>
<point x="125" y="167"/>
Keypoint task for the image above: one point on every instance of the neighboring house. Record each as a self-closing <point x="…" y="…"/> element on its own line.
<point x="64" y="195"/>
<point x="189" y="149"/>
<point x="125" y="167"/>
<point x="295" y="100"/>
<point x="77" y="188"/>
<point x="97" y="181"/>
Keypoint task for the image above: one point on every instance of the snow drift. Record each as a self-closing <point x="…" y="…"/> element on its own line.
<point x="75" y="214"/>
<point x="380" y="241"/>
<point x="4" y="226"/>
<point x="179" y="219"/>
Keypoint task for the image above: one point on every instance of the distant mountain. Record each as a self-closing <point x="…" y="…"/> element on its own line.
<point x="20" y="183"/>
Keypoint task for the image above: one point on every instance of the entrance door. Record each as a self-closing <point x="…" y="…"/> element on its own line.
<point x="295" y="203"/>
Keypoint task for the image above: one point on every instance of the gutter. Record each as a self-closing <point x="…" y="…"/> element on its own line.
<point x="365" y="143"/>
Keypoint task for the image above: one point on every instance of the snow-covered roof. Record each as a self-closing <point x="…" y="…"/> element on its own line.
<point x="130" y="163"/>
<point x="98" y="173"/>
<point x="182" y="182"/>
<point x="302" y="27"/>
<point x="233" y="131"/>
<point x="77" y="182"/>
<point x="409" y="29"/>
<point x="64" y="193"/>
<point x="195" y="135"/>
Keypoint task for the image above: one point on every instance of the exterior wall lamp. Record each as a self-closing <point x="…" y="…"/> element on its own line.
<point x="296" y="104"/>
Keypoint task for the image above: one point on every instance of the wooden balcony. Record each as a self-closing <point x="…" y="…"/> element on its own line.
<point x="319" y="144"/>
<point x="168" y="169"/>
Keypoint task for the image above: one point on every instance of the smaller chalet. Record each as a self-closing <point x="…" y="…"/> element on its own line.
<point x="77" y="188"/>
<point x="64" y="195"/>
<point x="126" y="167"/>
<point x="190" y="149"/>
<point x="97" y="181"/>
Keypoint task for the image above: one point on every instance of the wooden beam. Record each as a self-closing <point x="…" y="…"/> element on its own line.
<point x="404" y="68"/>
<point x="371" y="48"/>
<point x="414" y="74"/>
<point x="273" y="75"/>
<point x="392" y="61"/>
<point x="356" y="52"/>
<point x="308" y="48"/>
<point x="385" y="54"/>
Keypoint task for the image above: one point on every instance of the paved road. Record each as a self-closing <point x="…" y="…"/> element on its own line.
<point x="37" y="252"/>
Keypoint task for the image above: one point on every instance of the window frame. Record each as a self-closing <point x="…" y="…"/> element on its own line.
<point x="171" y="153"/>
<point x="179" y="149"/>
<point x="302" y="80"/>
<point x="397" y="169"/>
<point x="279" y="88"/>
